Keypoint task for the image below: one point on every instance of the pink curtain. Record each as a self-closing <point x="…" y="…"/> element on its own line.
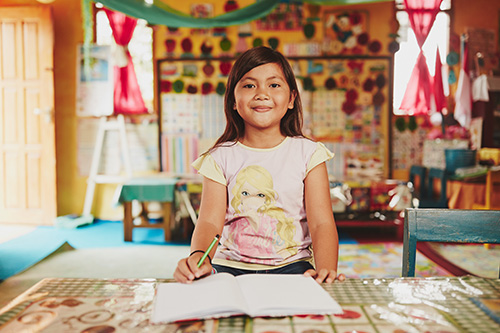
<point x="417" y="97"/>
<point x="127" y="94"/>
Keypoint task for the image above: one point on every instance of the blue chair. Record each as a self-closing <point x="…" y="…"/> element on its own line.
<point x="429" y="200"/>
<point x="420" y="172"/>
<point x="447" y="226"/>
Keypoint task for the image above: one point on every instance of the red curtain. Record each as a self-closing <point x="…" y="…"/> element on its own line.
<point x="417" y="97"/>
<point x="438" y="88"/>
<point x="127" y="94"/>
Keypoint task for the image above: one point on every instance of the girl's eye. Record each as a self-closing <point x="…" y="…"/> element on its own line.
<point x="275" y="85"/>
<point x="245" y="193"/>
<point x="249" y="85"/>
<point x="260" y="195"/>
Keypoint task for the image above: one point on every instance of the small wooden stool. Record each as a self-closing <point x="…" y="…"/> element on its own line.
<point x="146" y="189"/>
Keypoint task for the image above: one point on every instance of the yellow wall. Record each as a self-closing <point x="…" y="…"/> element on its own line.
<point x="68" y="33"/>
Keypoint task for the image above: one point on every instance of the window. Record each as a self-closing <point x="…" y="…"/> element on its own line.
<point x="141" y="49"/>
<point x="406" y="57"/>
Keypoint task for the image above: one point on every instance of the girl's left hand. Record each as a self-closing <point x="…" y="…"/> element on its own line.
<point x="324" y="275"/>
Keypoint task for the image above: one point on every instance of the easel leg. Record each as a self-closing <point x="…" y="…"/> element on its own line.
<point x="127" y="221"/>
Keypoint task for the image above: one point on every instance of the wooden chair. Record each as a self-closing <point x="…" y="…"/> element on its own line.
<point x="446" y="225"/>
<point x="492" y="178"/>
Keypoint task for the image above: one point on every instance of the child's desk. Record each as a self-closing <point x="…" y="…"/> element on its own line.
<point x="451" y="304"/>
<point x="144" y="189"/>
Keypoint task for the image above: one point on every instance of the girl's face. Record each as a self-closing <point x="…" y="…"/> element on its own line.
<point x="262" y="97"/>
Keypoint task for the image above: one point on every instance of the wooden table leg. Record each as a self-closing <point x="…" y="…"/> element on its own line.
<point x="167" y="219"/>
<point x="127" y="221"/>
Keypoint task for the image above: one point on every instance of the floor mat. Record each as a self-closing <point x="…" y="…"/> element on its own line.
<point x="380" y="260"/>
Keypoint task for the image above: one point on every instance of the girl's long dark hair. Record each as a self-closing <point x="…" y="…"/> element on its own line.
<point x="291" y="123"/>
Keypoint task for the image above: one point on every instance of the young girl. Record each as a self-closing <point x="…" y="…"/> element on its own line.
<point x="265" y="186"/>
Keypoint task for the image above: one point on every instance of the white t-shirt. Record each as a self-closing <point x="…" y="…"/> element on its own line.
<point x="266" y="221"/>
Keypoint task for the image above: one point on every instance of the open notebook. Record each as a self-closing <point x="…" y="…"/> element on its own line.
<point x="256" y="295"/>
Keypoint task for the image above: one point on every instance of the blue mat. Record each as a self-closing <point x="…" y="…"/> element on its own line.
<point x="23" y="252"/>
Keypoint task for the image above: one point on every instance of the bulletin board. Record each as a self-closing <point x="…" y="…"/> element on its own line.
<point x="347" y="102"/>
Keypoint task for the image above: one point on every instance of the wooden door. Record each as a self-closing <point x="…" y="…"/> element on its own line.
<point x="27" y="135"/>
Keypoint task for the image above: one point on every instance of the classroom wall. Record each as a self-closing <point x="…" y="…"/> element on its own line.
<point x="68" y="33"/>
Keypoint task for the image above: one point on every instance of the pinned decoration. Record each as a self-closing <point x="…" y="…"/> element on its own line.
<point x="380" y="81"/>
<point x="368" y="85"/>
<point x="348" y="107"/>
<point x="225" y="44"/>
<point x="378" y="98"/>
<point x="363" y="38"/>
<point x="178" y="86"/>
<point x="351" y="95"/>
<point x="393" y="47"/>
<point x="206" y="88"/>
<point x="165" y="86"/>
<point x="192" y="89"/>
<point x="309" y="30"/>
<point x="330" y="83"/>
<point x="375" y="46"/>
<point x="208" y="69"/>
<point x="220" y="89"/>
<point x="225" y="67"/>
<point x="273" y="42"/>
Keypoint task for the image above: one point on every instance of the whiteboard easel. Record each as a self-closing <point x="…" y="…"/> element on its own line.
<point x="106" y="124"/>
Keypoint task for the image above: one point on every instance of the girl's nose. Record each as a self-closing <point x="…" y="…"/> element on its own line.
<point x="261" y="93"/>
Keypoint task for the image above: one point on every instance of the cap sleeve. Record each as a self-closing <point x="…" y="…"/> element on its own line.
<point x="206" y="166"/>
<point x="320" y="155"/>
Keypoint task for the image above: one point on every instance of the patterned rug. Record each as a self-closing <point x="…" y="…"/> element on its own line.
<point x="379" y="260"/>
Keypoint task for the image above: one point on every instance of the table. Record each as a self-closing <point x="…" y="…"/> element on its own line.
<point x="144" y="189"/>
<point x="463" y="194"/>
<point x="370" y="305"/>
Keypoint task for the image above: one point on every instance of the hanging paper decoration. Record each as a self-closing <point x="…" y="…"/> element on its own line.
<point x="309" y="30"/>
<point x="273" y="42"/>
<point x="225" y="44"/>
<point x="378" y="98"/>
<point x="452" y="78"/>
<point x="206" y="48"/>
<point x="452" y="58"/>
<point x="393" y="46"/>
<point x="400" y="124"/>
<point x="221" y="88"/>
<point x="208" y="69"/>
<point x="165" y="86"/>
<point x="412" y="123"/>
<point x="330" y="83"/>
<point x="230" y="5"/>
<point x="348" y="107"/>
<point x="225" y="67"/>
<point x="257" y="42"/>
<point x="178" y="86"/>
<point x="170" y="45"/>
<point x="347" y="31"/>
<point x="206" y="88"/>
<point x="308" y="84"/>
<point x="192" y="89"/>
<point x="187" y="45"/>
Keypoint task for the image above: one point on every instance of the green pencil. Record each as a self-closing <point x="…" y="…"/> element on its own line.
<point x="210" y="247"/>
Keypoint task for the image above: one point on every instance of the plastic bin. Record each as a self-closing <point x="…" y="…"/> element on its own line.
<point x="459" y="158"/>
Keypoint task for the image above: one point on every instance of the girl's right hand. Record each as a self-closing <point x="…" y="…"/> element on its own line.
<point x="187" y="269"/>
